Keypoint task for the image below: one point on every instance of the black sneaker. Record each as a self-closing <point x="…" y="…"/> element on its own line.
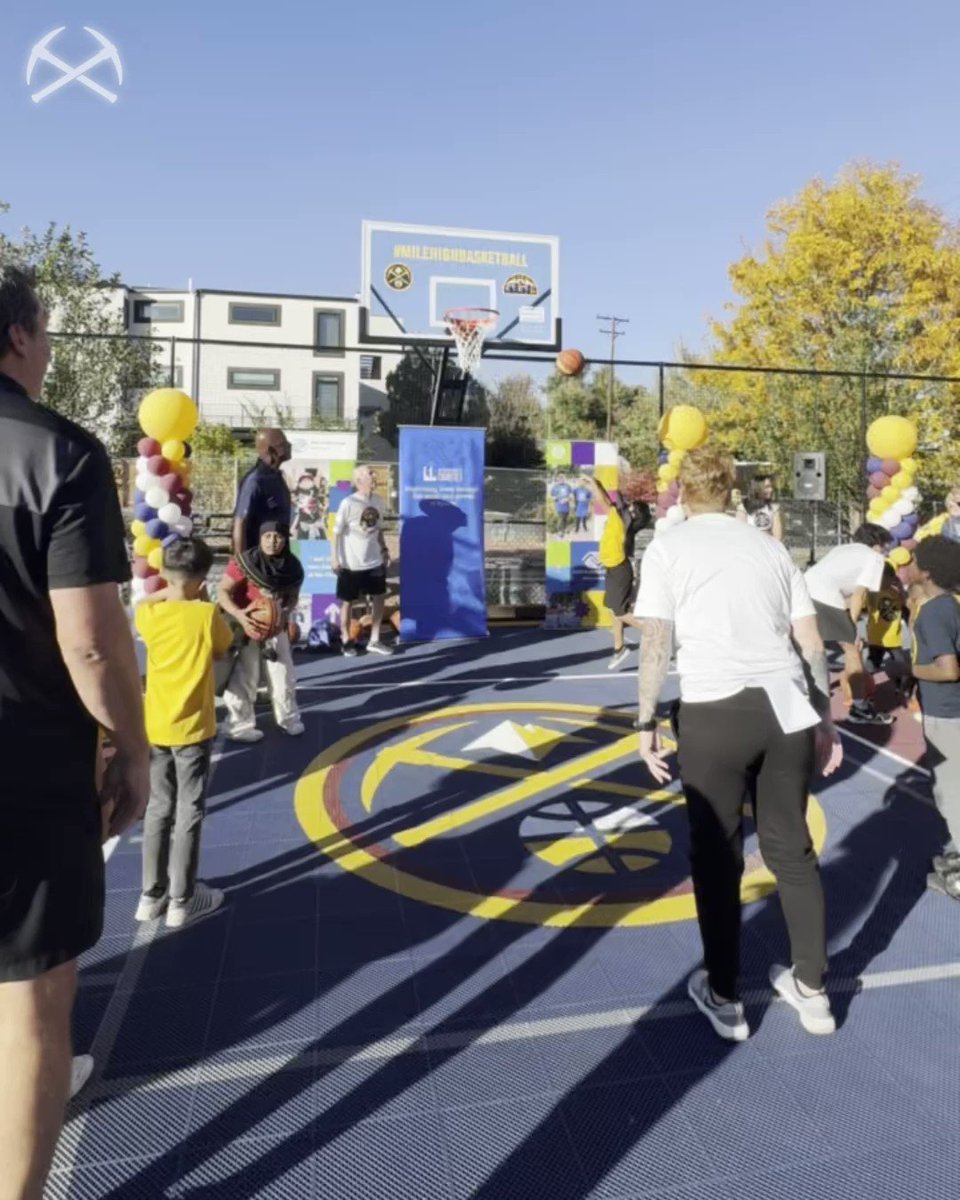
<point x="350" y="649"/>
<point x="866" y="714"/>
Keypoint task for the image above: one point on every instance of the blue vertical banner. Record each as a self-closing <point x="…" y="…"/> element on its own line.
<point x="442" y="580"/>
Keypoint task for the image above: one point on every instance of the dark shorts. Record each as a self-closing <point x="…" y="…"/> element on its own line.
<point x="835" y="624"/>
<point x="618" y="593"/>
<point x="51" y="894"/>
<point x="352" y="585"/>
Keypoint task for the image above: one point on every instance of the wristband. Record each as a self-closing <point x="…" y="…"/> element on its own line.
<point x="648" y="726"/>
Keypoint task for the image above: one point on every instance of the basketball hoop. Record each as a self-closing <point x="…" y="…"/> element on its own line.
<point x="469" y="328"/>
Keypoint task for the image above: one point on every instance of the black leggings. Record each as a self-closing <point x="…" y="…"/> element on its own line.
<point x="730" y="751"/>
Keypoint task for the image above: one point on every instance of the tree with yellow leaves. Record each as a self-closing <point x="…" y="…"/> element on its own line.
<point x="859" y="276"/>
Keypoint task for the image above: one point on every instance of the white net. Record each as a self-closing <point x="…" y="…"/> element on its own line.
<point x="469" y="328"/>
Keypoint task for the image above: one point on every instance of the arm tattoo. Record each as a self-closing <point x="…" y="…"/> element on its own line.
<point x="818" y="679"/>
<point x="655" y="646"/>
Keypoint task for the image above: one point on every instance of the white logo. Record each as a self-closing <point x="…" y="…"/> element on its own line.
<point x="41" y="52"/>
<point x="433" y="474"/>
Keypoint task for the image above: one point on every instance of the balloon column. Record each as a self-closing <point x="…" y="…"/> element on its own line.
<point x="162" y="499"/>
<point x="681" y="429"/>
<point x="891" y="468"/>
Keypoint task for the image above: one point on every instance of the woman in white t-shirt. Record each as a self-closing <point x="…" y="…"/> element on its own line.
<point x="760" y="508"/>
<point x="839" y="585"/>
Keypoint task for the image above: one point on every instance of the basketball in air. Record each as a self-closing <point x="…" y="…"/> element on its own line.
<point x="570" y="362"/>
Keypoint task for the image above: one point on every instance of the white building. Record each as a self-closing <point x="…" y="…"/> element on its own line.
<point x="249" y="357"/>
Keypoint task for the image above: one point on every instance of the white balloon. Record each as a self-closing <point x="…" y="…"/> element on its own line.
<point x="906" y="507"/>
<point x="184" y="527"/>
<point x="911" y="493"/>
<point x="144" y="483"/>
<point x="169" y="513"/>
<point x="661" y="525"/>
<point x="675" y="514"/>
<point x="889" y="519"/>
<point x="157" y="497"/>
<point x="142" y="465"/>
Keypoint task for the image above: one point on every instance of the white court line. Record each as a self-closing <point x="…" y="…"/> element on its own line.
<point x="610" y="676"/>
<point x="904" y="762"/>
<point x="106" y="1036"/>
<point x="511" y="1031"/>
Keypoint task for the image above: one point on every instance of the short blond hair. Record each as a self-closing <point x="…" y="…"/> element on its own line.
<point x="707" y="477"/>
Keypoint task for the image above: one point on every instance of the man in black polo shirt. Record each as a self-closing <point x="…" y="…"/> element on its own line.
<point x="67" y="669"/>
<point x="263" y="494"/>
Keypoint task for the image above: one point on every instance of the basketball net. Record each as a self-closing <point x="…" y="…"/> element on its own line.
<point x="469" y="328"/>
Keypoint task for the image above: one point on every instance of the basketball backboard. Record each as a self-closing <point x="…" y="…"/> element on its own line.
<point x="412" y="274"/>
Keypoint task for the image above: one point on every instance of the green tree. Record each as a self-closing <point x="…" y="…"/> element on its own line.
<point x="577" y="409"/>
<point x="409" y="389"/>
<point x="97" y="370"/>
<point x="861" y="275"/>
<point x="516" y="424"/>
<point x="214" y="441"/>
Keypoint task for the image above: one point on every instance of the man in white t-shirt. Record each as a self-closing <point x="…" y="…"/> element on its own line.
<point x="360" y="559"/>
<point x="839" y="585"/>
<point x="753" y="722"/>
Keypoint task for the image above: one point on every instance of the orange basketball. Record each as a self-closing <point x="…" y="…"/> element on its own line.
<point x="570" y="362"/>
<point x="267" y="613"/>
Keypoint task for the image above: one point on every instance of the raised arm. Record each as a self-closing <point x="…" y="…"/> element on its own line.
<point x="601" y="493"/>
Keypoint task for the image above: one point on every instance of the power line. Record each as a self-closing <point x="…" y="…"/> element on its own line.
<point x="614" y="334"/>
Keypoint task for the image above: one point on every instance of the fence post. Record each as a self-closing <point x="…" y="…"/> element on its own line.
<point x="861" y="507"/>
<point x="173" y="362"/>
<point x="660" y="386"/>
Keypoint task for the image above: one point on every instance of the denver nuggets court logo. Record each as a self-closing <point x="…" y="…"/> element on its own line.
<point x="520" y="285"/>
<point x="398" y="276"/>
<point x="533" y="813"/>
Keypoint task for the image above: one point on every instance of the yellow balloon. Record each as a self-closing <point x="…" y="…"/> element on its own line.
<point x="902" y="479"/>
<point x="155" y="559"/>
<point x="173" y="450"/>
<point x="899" y="557"/>
<point x="890" y="493"/>
<point x="683" y="428"/>
<point x="168" y="414"/>
<point x="669" y="472"/>
<point x="909" y="464"/>
<point x="138" y="529"/>
<point x="142" y="545"/>
<point x="676" y="457"/>
<point x="892" y="437"/>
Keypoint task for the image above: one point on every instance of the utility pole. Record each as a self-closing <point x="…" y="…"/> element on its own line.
<point x="614" y="334"/>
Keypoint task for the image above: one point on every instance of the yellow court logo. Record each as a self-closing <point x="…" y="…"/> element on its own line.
<point x="536" y="813"/>
<point x="398" y="276"/>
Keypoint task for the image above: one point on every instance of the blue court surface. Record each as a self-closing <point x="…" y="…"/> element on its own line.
<point x="453" y="956"/>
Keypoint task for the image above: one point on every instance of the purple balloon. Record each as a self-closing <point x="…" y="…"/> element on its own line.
<point x="902" y="531"/>
<point x="874" y="464"/>
<point x="157" y="529"/>
<point x="143" y="512"/>
<point x="911" y="519"/>
<point x="138" y="496"/>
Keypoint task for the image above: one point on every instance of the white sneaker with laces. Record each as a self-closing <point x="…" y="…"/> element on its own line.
<point x="814" y="1010"/>
<point x="294" y="728"/>
<point x="380" y="648"/>
<point x="150" y="908"/>
<point x="80" y="1071"/>
<point x="204" y="901"/>
<point x="619" y="658"/>
<point x="727" y="1019"/>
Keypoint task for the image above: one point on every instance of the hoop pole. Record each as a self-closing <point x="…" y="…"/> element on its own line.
<point x="438" y="381"/>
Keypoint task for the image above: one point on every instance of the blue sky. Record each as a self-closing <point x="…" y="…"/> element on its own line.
<point x="249" y="140"/>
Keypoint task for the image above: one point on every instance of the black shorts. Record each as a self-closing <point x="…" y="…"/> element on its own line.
<point x="618" y="593"/>
<point x="51" y="893"/>
<point x="835" y="624"/>
<point x="352" y="585"/>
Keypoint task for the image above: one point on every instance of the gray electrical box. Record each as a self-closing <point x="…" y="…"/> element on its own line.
<point x="810" y="476"/>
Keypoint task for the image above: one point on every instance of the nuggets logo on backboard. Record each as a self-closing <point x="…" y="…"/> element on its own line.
<point x="414" y="274"/>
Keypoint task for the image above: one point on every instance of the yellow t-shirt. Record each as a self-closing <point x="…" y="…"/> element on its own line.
<point x="885" y="621"/>
<point x="612" y="552"/>
<point x="182" y="638"/>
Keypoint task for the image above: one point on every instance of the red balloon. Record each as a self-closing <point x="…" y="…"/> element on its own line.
<point x="880" y="479"/>
<point x="910" y="544"/>
<point x="147" y="447"/>
<point x="890" y="467"/>
<point x="184" y="497"/>
<point x="157" y="465"/>
<point x="873" y="492"/>
<point x="170" y="483"/>
<point x="154" y="584"/>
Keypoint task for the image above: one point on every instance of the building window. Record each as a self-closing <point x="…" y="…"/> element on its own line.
<point x="253" y="379"/>
<point x="254" y="314"/>
<point x="328" y="331"/>
<point x="370" y="366"/>
<point x="162" y="376"/>
<point x="328" y="397"/>
<point x="149" y="312"/>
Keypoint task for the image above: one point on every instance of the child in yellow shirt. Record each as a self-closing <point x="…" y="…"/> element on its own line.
<point x="183" y="633"/>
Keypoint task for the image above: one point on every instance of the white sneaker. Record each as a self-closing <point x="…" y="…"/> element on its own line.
<point x="204" y="901"/>
<point x="246" y="735"/>
<point x="619" y="658"/>
<point x="380" y="648"/>
<point x="727" y="1019"/>
<point x="80" y="1071"/>
<point x="815" y="1014"/>
<point x="294" y="728"/>
<point x="150" y="908"/>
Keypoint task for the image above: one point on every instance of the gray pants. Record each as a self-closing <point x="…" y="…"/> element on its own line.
<point x="174" y="817"/>
<point x="943" y="758"/>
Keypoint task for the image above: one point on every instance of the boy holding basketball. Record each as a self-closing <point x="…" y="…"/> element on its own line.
<point x="183" y="633"/>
